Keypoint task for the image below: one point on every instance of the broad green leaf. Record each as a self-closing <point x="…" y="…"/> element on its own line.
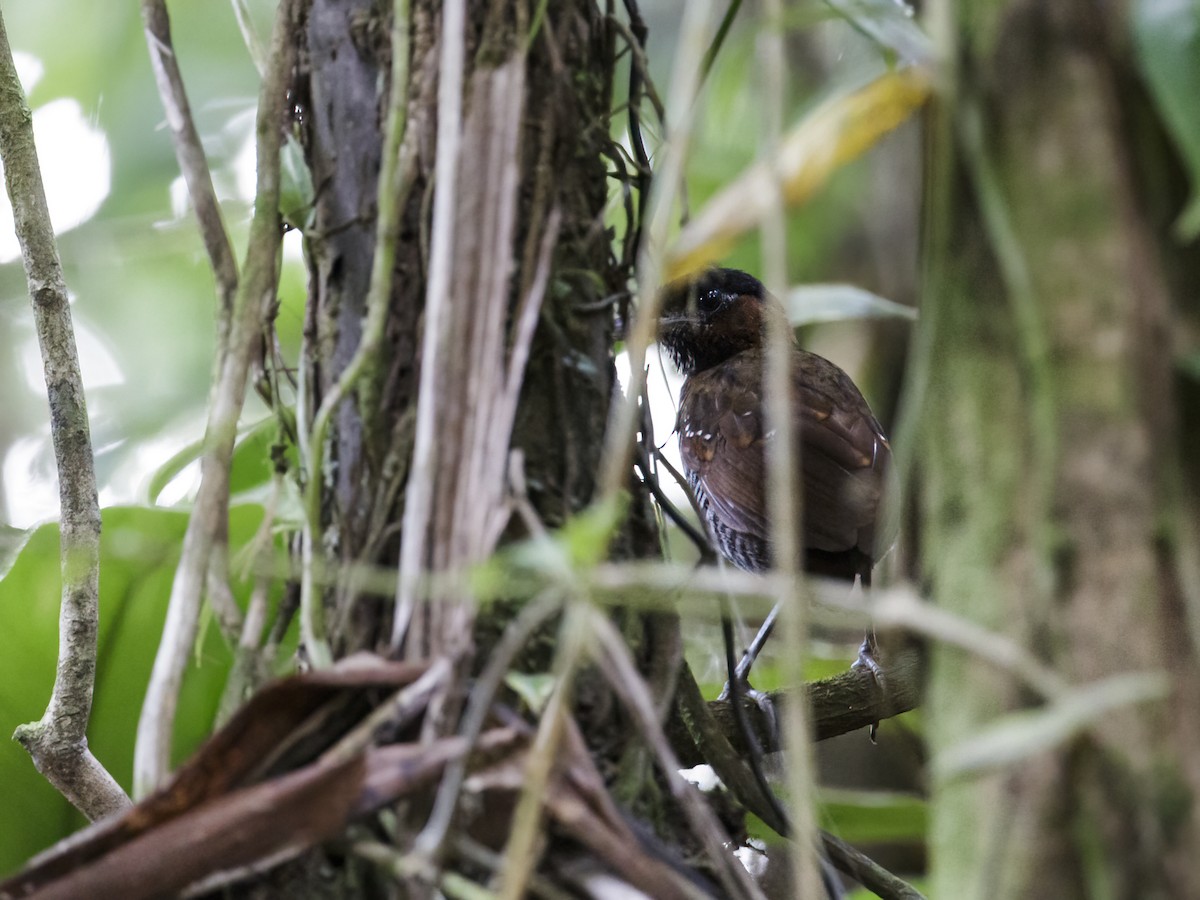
<point x="873" y="816"/>
<point x="581" y="543"/>
<point x="252" y="465"/>
<point x="296" y="195"/>
<point x="586" y="536"/>
<point x="251" y="460"/>
<point x="169" y="470"/>
<point x="1166" y="37"/>
<point x="139" y="551"/>
<point x="12" y="541"/>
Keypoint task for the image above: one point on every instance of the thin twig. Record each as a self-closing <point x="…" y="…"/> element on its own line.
<point x="701" y="738"/>
<point x="693" y="534"/>
<point x="219" y="593"/>
<point x="612" y="653"/>
<point x="189" y="152"/>
<point x="635" y="36"/>
<point x="250" y="36"/>
<point x="479" y="855"/>
<point x="710" y="57"/>
<point x="784" y="500"/>
<point x="432" y="837"/>
<point x="57" y="743"/>
<point x="520" y="858"/>
<point x="665" y="188"/>
<point x="418" y="505"/>
<point x="401" y="708"/>
<point x="754" y="750"/>
<point x="867" y="872"/>
<point x="255" y="291"/>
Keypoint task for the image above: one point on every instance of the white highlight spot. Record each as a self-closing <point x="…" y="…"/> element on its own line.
<point x="76" y="170"/>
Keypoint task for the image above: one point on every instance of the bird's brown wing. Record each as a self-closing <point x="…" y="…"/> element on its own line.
<point x="721" y="441"/>
<point x="843" y="459"/>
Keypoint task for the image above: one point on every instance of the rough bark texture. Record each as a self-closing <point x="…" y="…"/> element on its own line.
<point x="570" y="376"/>
<point x="1046" y="464"/>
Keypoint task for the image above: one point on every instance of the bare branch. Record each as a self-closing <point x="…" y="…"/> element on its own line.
<point x="58" y="741"/>
<point x="255" y="291"/>
<point x="622" y="674"/>
<point x="666" y="186"/>
<point x="867" y="872"/>
<point x="418" y="504"/>
<point x="190" y="153"/>
<point x="841" y="704"/>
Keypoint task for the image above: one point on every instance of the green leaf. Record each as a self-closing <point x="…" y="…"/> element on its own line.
<point x="586" y="536"/>
<point x="252" y="465"/>
<point x="581" y="543"/>
<point x="873" y="816"/>
<point x="296" y="195"/>
<point x="811" y="303"/>
<point x="759" y="830"/>
<point x="139" y="550"/>
<point x="12" y="541"/>
<point x="1166" y="38"/>
<point x="251" y="460"/>
<point x="534" y="689"/>
<point x="169" y="470"/>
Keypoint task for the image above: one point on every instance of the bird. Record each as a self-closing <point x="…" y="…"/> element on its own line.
<point x="714" y="327"/>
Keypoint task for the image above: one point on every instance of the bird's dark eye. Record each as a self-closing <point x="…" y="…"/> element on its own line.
<point x="711" y="301"/>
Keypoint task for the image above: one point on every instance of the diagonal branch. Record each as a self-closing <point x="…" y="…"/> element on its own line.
<point x="840" y="704"/>
<point x="255" y="291"/>
<point x="190" y="153"/>
<point x="58" y="742"/>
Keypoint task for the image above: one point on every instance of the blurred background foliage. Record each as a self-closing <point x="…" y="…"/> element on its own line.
<point x="144" y="313"/>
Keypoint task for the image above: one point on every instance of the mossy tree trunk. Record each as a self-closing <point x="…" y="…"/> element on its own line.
<point x="568" y="59"/>
<point x="1052" y="457"/>
<point x="563" y="135"/>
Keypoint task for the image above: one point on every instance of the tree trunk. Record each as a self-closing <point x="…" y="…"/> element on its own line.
<point x="1049" y="463"/>
<point x="561" y="190"/>
<point x="570" y="378"/>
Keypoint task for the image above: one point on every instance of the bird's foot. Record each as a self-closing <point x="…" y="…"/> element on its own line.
<point x="867" y="652"/>
<point x="770" y="715"/>
<point x="766" y="706"/>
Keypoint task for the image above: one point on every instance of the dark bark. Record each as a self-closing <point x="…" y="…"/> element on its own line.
<point x="570" y="377"/>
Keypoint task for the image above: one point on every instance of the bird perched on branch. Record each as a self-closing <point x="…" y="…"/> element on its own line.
<point x="714" y="327"/>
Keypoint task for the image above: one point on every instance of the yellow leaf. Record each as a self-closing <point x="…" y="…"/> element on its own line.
<point x="833" y="134"/>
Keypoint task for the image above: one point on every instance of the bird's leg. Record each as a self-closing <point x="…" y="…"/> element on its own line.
<point x="868" y="652"/>
<point x="742" y="672"/>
